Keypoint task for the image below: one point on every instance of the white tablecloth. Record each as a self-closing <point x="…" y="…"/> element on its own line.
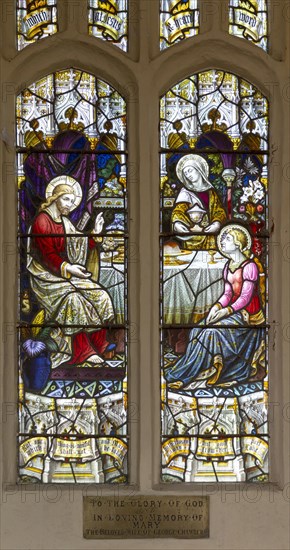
<point x="190" y="289"/>
<point x="112" y="278"/>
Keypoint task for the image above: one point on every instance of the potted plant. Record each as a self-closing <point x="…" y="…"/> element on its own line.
<point x="36" y="365"/>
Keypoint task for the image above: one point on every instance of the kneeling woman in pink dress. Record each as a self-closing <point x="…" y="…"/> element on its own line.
<point x="234" y="350"/>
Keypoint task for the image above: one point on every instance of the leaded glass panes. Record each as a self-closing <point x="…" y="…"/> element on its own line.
<point x="179" y="19"/>
<point x="213" y="279"/>
<point x="73" y="242"/>
<point x="249" y="19"/>
<point x="36" y="19"/>
<point x="108" y="20"/>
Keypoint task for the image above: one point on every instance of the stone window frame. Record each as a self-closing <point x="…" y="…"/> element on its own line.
<point x="142" y="76"/>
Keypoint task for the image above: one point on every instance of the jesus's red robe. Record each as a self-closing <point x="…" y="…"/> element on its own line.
<point x="49" y="249"/>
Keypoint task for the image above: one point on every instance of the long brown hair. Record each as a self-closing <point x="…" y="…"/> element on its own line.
<point x="59" y="190"/>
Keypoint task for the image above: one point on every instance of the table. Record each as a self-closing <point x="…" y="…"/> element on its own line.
<point x="112" y="278"/>
<point x="191" y="287"/>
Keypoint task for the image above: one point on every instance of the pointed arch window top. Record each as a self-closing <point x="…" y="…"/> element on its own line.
<point x="179" y="19"/>
<point x="36" y="19"/>
<point x="249" y="19"/>
<point x="74" y="100"/>
<point x="214" y="101"/>
<point x="108" y="20"/>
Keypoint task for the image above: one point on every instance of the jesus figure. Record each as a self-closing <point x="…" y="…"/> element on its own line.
<point x="70" y="297"/>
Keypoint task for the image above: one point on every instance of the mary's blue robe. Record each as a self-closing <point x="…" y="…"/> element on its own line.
<point x="236" y="352"/>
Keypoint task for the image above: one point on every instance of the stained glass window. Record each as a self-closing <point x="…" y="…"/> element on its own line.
<point x="108" y="20"/>
<point x="36" y="19"/>
<point x="72" y="234"/>
<point x="249" y="19"/>
<point x="213" y="280"/>
<point x="179" y="19"/>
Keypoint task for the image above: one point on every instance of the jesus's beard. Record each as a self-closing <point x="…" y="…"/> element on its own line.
<point x="64" y="211"/>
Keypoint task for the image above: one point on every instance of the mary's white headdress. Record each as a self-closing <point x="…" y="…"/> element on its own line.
<point x="197" y="162"/>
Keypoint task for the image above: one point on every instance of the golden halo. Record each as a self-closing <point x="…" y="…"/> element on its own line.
<point x="65" y="180"/>
<point x="228" y="228"/>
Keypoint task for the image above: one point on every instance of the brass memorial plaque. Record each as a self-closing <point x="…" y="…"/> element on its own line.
<point x="146" y="517"/>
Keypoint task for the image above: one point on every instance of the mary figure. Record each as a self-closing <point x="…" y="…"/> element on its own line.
<point x="199" y="194"/>
<point x="226" y="348"/>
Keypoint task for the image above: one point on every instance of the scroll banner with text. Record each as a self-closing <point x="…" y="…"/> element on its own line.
<point x="215" y="448"/>
<point x="77" y="449"/>
<point x="116" y="448"/>
<point x="35" y="446"/>
<point x="81" y="449"/>
<point x="181" y="20"/>
<point x="249" y="21"/>
<point x="105" y="17"/>
<point x="36" y="21"/>
<point x="256" y="447"/>
<point x="175" y="447"/>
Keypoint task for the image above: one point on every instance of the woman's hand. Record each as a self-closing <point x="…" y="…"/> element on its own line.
<point x="180" y="227"/>
<point x="99" y="223"/>
<point x="214" y="227"/>
<point x="221" y="314"/>
<point x="212" y="313"/>
<point x="78" y="271"/>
